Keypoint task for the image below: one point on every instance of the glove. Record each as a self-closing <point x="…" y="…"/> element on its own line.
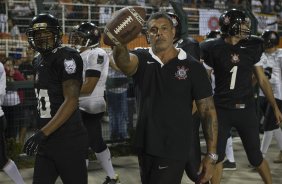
<point x="31" y="145"/>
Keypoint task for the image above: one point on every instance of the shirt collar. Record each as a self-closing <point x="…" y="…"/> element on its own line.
<point x="182" y="55"/>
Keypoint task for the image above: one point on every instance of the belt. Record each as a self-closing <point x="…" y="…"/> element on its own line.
<point x="240" y="106"/>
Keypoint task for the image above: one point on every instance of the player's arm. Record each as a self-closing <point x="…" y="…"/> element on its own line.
<point x="126" y="62"/>
<point x="88" y="85"/>
<point x="113" y="65"/>
<point x="92" y="74"/>
<point x="208" y="69"/>
<point x="71" y="91"/>
<point x="267" y="90"/>
<point x="178" y="9"/>
<point x="208" y="117"/>
<point x="2" y="83"/>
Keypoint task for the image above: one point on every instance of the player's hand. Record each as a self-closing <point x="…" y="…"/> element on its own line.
<point x="206" y="170"/>
<point x="278" y="116"/>
<point x="32" y="143"/>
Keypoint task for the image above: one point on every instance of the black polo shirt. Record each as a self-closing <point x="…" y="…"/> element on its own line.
<point x="233" y="67"/>
<point x="164" y="96"/>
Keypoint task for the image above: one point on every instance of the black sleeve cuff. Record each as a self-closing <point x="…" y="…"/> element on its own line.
<point x="92" y="73"/>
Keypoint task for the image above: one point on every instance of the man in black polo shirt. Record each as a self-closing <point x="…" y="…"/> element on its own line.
<point x="167" y="80"/>
<point x="233" y="60"/>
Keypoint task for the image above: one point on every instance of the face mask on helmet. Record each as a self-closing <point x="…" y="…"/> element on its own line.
<point x="85" y="35"/>
<point x="213" y="34"/>
<point x="73" y="37"/>
<point x="44" y="33"/>
<point x="76" y="40"/>
<point x="271" y="39"/>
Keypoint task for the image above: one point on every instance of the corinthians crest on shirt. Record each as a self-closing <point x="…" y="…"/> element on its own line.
<point x="181" y="73"/>
<point x="235" y="58"/>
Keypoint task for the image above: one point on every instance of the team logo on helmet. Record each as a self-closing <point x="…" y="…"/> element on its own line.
<point x="70" y="66"/>
<point x="273" y="36"/>
<point x="181" y="72"/>
<point x="174" y="21"/>
<point x="226" y="20"/>
<point x="235" y="58"/>
<point x="96" y="32"/>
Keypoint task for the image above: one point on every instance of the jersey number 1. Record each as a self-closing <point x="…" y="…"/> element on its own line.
<point x="233" y="77"/>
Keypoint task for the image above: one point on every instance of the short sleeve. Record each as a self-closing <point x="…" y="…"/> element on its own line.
<point x="205" y="54"/>
<point x="141" y="65"/>
<point x="262" y="61"/>
<point x="201" y="85"/>
<point x="259" y="52"/>
<point x="2" y="81"/>
<point x="96" y="61"/>
<point x="72" y="66"/>
<point x="280" y="58"/>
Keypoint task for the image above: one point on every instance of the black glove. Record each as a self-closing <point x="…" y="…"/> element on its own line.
<point x="31" y="145"/>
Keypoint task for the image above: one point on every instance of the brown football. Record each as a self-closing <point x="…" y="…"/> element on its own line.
<point x="125" y="25"/>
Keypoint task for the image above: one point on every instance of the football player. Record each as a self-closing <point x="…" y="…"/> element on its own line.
<point x="60" y="144"/>
<point x="271" y="61"/>
<point x="233" y="61"/>
<point x="6" y="164"/>
<point x="86" y="38"/>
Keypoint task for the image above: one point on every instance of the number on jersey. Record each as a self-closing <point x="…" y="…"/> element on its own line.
<point x="43" y="106"/>
<point x="233" y="76"/>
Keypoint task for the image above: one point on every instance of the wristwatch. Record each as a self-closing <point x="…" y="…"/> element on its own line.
<point x="213" y="157"/>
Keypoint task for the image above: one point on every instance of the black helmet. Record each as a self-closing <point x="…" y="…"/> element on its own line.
<point x="86" y="34"/>
<point x="213" y="34"/>
<point x="230" y="22"/>
<point x="176" y="24"/>
<point x="39" y="28"/>
<point x="271" y="38"/>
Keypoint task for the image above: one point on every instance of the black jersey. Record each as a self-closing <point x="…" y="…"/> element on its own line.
<point x="190" y="46"/>
<point x="164" y="96"/>
<point x="52" y="70"/>
<point x="233" y="68"/>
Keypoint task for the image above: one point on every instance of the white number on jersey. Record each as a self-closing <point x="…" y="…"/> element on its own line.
<point x="233" y="77"/>
<point x="43" y="106"/>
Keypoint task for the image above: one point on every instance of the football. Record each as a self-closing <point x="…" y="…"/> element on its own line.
<point x="125" y="25"/>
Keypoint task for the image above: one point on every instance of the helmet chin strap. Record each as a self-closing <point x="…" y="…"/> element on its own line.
<point x="79" y="47"/>
<point x="87" y="42"/>
<point x="94" y="46"/>
<point x="91" y="46"/>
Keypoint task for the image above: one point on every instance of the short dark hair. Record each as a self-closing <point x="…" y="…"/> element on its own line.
<point x="159" y="15"/>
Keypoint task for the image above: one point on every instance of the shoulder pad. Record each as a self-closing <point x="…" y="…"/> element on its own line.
<point x="279" y="52"/>
<point x="253" y="39"/>
<point x="190" y="40"/>
<point x="37" y="60"/>
<point x="206" y="44"/>
<point x="69" y="49"/>
<point x="138" y="48"/>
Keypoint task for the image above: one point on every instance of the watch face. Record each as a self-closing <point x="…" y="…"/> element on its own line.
<point x="213" y="156"/>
